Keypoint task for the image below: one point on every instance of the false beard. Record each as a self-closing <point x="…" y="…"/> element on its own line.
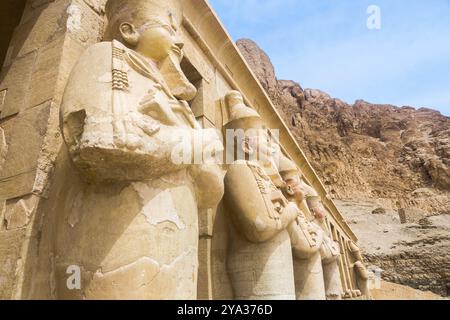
<point x="175" y="78"/>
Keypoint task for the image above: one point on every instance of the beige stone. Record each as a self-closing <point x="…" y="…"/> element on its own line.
<point x="392" y="291"/>
<point x="15" y="83"/>
<point x="121" y="130"/>
<point x="97" y="5"/>
<point x="48" y="23"/>
<point x="3" y="148"/>
<point x="259" y="262"/>
<point x="17" y="215"/>
<point x="112" y="202"/>
<point x="411" y="215"/>
<point x="19" y="169"/>
<point x="40" y="29"/>
<point x="10" y="246"/>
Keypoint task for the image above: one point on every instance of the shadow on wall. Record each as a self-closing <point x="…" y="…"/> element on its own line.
<point x="10" y="15"/>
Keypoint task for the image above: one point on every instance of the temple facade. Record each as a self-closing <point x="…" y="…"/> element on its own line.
<point x="87" y="107"/>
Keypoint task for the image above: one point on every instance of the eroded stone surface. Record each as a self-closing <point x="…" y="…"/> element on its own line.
<point x="110" y="201"/>
<point x="19" y="169"/>
<point x="17" y="214"/>
<point x="348" y="143"/>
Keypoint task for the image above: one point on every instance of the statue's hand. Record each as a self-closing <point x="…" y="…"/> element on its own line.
<point x="289" y="214"/>
<point x="156" y="106"/>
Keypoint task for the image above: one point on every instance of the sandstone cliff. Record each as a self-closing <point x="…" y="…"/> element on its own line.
<point x="395" y="159"/>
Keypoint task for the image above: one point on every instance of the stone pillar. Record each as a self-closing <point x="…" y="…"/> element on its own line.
<point x="46" y="44"/>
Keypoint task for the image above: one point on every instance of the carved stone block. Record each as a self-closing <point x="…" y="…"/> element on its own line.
<point x="18" y="172"/>
<point x="16" y="79"/>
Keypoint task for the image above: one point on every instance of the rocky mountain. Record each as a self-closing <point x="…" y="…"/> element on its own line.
<point x="388" y="168"/>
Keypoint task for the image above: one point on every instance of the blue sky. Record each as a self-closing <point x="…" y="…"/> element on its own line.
<point x="325" y="44"/>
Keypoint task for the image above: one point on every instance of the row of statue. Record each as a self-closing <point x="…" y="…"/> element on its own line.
<point x="134" y="227"/>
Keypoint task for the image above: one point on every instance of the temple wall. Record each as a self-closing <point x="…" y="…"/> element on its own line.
<point x="44" y="47"/>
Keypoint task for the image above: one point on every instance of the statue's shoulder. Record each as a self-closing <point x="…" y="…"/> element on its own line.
<point x="97" y="55"/>
<point x="89" y="85"/>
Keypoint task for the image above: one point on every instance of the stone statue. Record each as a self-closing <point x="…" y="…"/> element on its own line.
<point x="306" y="239"/>
<point x="131" y="223"/>
<point x="360" y="271"/>
<point x="259" y="258"/>
<point x="330" y="250"/>
<point x="317" y="275"/>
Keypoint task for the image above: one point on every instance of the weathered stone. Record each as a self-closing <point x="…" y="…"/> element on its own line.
<point x="63" y="51"/>
<point x="19" y="169"/>
<point x="2" y="215"/>
<point x="260" y="63"/>
<point x="260" y="262"/>
<point x="379" y="211"/>
<point x="83" y="24"/>
<point x="43" y="27"/>
<point x="97" y="5"/>
<point x="111" y="201"/>
<point x="353" y="146"/>
<point x="17" y="214"/>
<point x="120" y="112"/>
<point x="15" y="82"/>
<point x="3" y="148"/>
<point x="10" y="253"/>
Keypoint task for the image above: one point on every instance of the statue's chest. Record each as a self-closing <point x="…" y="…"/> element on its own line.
<point x="140" y="88"/>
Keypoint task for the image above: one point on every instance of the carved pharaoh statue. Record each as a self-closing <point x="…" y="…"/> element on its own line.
<point x="259" y="261"/>
<point x="131" y="223"/>
<point x="330" y="250"/>
<point x="360" y="271"/>
<point x="317" y="274"/>
<point x="306" y="238"/>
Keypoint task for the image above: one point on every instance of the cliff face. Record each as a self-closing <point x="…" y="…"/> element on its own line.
<point x="400" y="155"/>
<point x="396" y="159"/>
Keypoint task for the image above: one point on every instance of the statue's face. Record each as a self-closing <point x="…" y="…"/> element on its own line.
<point x="294" y="184"/>
<point x="319" y="212"/>
<point x="156" y="39"/>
